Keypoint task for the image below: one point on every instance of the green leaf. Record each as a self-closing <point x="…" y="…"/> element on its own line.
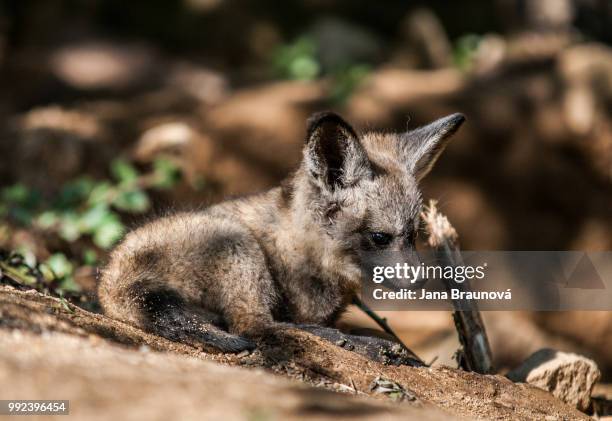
<point x="60" y="265"/>
<point x="166" y="173"/>
<point x="297" y="60"/>
<point x="304" y="68"/>
<point x="93" y="218"/>
<point x="25" y="276"/>
<point x="109" y="232"/>
<point x="20" y="202"/>
<point x="68" y="284"/>
<point x="101" y="193"/>
<point x="22" y="215"/>
<point x="69" y="228"/>
<point x="29" y="258"/>
<point x="135" y="201"/>
<point x="74" y="193"/>
<point x="17" y="193"/>
<point x="90" y="257"/>
<point x="465" y="49"/>
<point x="47" y="272"/>
<point x="123" y="171"/>
<point x="47" y="220"/>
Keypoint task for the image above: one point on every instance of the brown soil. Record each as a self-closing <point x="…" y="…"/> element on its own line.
<point x="51" y="349"/>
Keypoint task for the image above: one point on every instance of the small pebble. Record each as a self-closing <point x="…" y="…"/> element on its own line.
<point x="341" y="342"/>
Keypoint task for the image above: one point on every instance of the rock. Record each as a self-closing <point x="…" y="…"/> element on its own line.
<point x="569" y="377"/>
<point x="201" y="83"/>
<point x="101" y="65"/>
<point x="170" y="137"/>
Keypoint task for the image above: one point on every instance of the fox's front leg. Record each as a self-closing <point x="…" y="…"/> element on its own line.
<point x="248" y="294"/>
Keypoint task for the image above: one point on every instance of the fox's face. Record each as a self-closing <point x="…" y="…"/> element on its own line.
<point x="365" y="188"/>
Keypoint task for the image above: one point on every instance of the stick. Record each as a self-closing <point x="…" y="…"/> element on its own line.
<point x="382" y="323"/>
<point x="468" y="321"/>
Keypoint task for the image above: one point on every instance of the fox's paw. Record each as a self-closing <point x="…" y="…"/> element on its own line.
<point x="374" y="348"/>
<point x="387" y="352"/>
<point x="378" y="349"/>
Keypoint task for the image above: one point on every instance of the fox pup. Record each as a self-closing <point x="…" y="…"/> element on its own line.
<point x="293" y="255"/>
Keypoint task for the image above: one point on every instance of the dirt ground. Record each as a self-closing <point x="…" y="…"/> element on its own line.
<point x="53" y="350"/>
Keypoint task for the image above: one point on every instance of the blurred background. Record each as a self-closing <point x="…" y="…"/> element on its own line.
<point x="112" y="112"/>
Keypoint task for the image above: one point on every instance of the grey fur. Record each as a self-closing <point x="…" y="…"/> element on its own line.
<point x="292" y="254"/>
<point x="422" y="147"/>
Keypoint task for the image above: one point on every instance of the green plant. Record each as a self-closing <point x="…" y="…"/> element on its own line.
<point x="297" y="60"/>
<point x="51" y="277"/>
<point x="464" y="49"/>
<point x="83" y="209"/>
<point x="87" y="207"/>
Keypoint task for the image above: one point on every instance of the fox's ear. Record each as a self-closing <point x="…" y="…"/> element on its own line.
<point x="422" y="147"/>
<point x="333" y="154"/>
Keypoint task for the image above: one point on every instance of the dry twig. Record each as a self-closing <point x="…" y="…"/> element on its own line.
<point x="476" y="354"/>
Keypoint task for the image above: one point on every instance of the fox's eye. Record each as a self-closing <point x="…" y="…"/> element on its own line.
<point x="381" y="238"/>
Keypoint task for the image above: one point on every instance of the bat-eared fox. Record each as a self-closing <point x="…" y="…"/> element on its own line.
<point x="292" y="256"/>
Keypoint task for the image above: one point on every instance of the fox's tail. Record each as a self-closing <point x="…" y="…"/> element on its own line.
<point x="162" y="311"/>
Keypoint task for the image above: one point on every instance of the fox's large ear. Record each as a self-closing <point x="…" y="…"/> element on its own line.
<point x="422" y="147"/>
<point x="333" y="154"/>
